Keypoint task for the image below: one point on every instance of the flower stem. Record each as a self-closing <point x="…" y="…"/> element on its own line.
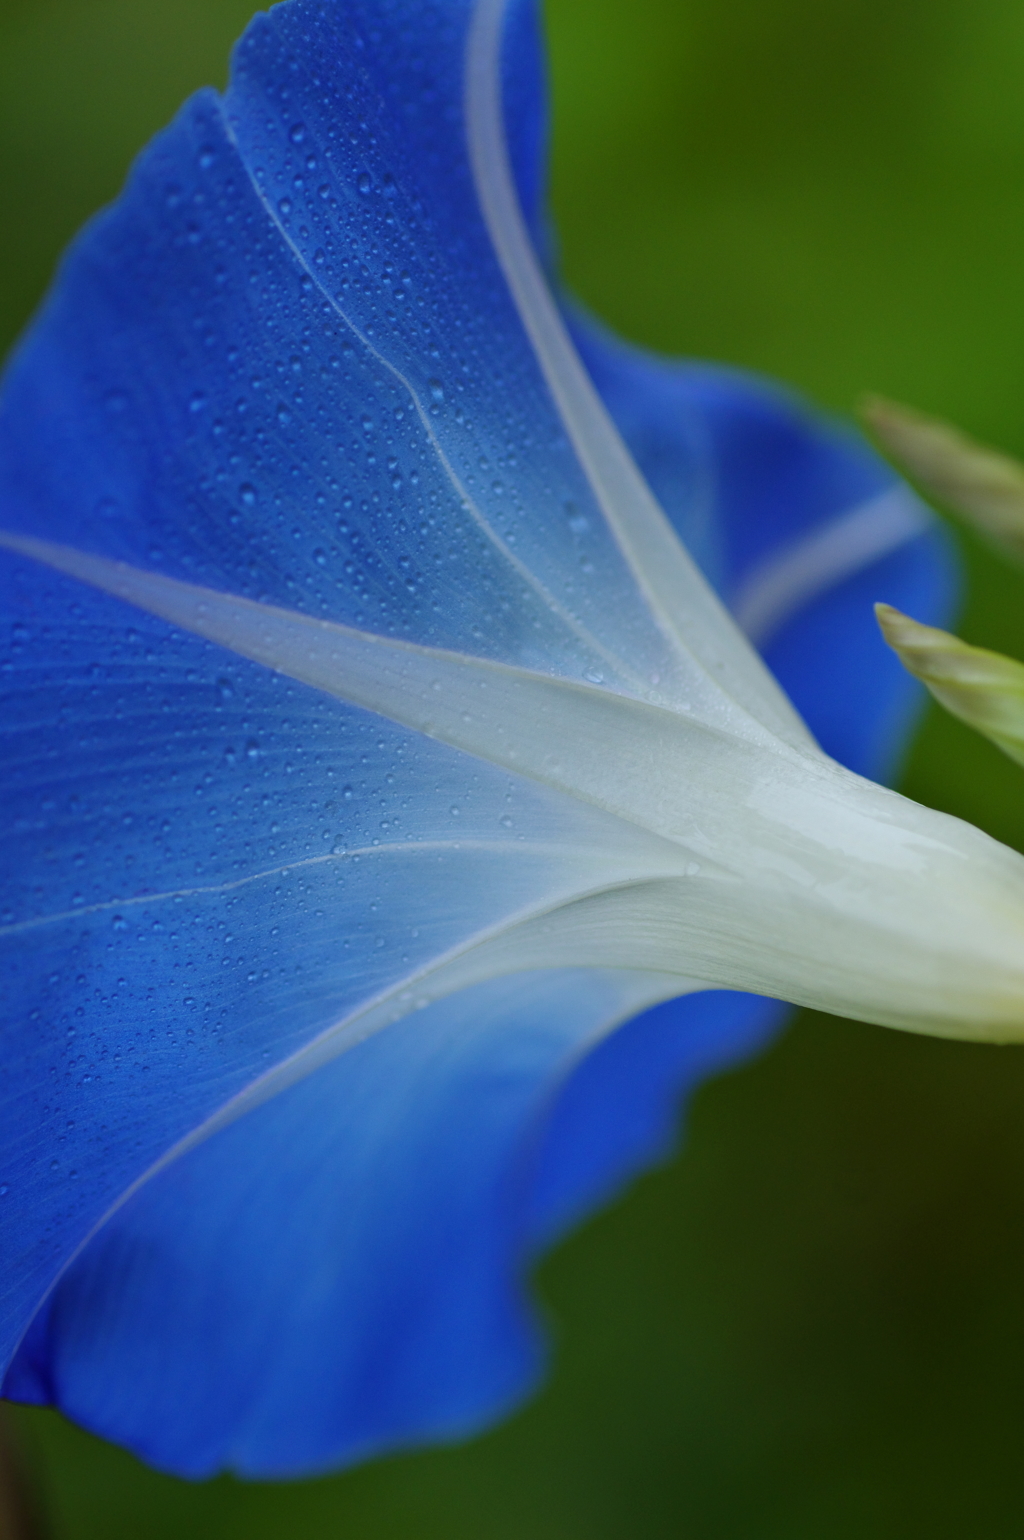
<point x="20" y="1515"/>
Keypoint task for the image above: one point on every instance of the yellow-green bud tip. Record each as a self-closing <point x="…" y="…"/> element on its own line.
<point x="982" y="485"/>
<point x="982" y="688"/>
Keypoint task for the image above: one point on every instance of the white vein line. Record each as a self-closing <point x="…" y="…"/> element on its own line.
<point x="427" y="689"/>
<point x="779" y="586"/>
<point x="689" y="615"/>
<point x="392" y="847"/>
<point x="466" y="498"/>
<point x="320" y="1051"/>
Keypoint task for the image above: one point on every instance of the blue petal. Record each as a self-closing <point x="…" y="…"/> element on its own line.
<point x="286" y="365"/>
<point x="781" y="506"/>
<point x="340" y="1271"/>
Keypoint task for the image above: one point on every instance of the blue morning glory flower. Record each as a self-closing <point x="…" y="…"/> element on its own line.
<point x="379" y="768"/>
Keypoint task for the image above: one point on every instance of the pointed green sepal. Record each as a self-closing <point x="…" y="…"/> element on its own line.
<point x="983" y="486"/>
<point x="982" y="688"/>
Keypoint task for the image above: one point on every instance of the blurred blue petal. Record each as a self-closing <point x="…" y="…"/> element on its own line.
<point x="799" y="527"/>
<point x="286" y="366"/>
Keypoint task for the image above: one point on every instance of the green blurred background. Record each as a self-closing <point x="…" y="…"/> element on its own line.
<point x="810" y="1324"/>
